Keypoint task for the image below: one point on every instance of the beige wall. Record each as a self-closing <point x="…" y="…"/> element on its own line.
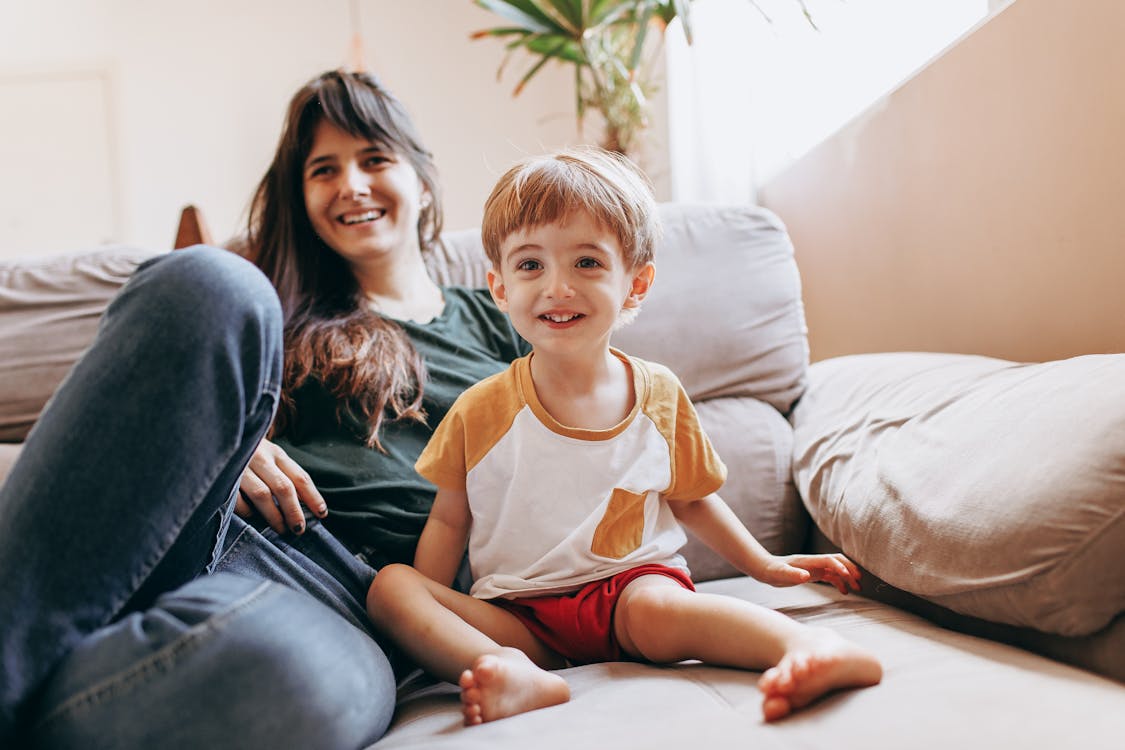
<point x="179" y="102"/>
<point x="978" y="208"/>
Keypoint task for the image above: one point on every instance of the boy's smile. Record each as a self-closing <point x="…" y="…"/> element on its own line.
<point x="565" y="284"/>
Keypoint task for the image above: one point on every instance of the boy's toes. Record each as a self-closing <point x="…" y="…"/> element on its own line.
<point x="471" y="714"/>
<point x="776" y="707"/>
<point x="777" y="680"/>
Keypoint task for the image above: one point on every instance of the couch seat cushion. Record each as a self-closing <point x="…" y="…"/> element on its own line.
<point x="940" y="690"/>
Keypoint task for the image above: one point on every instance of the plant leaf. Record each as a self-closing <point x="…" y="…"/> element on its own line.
<point x="546" y="57"/>
<point x="682" y="8"/>
<point x="524" y="14"/>
<point x="642" y="33"/>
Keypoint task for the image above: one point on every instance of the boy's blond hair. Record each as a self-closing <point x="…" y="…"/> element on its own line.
<point x="548" y="189"/>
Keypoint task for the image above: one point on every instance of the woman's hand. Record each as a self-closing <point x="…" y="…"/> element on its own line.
<point x="791" y="570"/>
<point x="275" y="486"/>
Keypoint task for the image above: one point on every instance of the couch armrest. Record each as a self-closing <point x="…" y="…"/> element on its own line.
<point x="192" y="229"/>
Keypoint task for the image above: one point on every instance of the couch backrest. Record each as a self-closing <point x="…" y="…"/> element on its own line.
<point x="725" y="312"/>
<point x="49" y="311"/>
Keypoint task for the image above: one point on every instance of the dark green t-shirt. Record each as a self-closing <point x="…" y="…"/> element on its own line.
<point x="377" y="503"/>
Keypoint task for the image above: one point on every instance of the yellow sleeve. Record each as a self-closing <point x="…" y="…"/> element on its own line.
<point x="697" y="470"/>
<point x="443" y="459"/>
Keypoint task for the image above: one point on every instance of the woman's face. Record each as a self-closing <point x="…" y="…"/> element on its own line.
<point x="362" y="198"/>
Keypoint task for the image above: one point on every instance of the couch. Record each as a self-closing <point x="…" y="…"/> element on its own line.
<point x="984" y="499"/>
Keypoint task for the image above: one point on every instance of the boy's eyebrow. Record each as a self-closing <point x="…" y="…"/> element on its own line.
<point x="580" y="246"/>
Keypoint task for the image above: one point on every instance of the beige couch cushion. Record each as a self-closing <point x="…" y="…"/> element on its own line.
<point x="993" y="488"/>
<point x="49" y="310"/>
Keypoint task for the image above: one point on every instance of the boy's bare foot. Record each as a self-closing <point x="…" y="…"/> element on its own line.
<point x="823" y="663"/>
<point x="507" y="684"/>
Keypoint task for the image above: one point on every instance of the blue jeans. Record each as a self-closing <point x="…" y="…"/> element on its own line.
<point x="110" y="633"/>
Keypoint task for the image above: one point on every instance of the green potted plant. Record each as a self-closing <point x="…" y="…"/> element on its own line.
<point x="605" y="40"/>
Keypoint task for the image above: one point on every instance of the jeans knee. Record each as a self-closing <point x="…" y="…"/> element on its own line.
<point x="200" y="305"/>
<point x="241" y="654"/>
<point x="208" y="287"/>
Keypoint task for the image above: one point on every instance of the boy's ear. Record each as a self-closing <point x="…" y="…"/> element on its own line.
<point x="499" y="292"/>
<point x="642" y="282"/>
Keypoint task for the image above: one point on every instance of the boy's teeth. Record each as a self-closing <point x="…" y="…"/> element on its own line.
<point x="560" y="318"/>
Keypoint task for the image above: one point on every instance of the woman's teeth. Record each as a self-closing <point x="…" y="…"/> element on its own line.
<point x="360" y="218"/>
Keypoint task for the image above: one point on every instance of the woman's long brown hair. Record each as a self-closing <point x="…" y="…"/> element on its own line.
<point x="366" y="361"/>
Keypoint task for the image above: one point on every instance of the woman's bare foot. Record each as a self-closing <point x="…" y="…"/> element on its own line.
<point x="822" y="663"/>
<point x="506" y="684"/>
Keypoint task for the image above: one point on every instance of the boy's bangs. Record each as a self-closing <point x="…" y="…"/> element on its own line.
<point x="551" y="196"/>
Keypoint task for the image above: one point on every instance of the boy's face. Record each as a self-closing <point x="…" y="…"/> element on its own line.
<point x="564" y="285"/>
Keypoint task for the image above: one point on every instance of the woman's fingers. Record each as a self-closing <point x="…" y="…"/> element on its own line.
<point x="265" y="467"/>
<point x="257" y="495"/>
<point x="303" y="484"/>
<point x="276" y="486"/>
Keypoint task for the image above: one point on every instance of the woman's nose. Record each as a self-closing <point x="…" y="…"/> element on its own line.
<point x="355" y="182"/>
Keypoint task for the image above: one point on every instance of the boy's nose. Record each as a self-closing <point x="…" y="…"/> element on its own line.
<point x="558" y="286"/>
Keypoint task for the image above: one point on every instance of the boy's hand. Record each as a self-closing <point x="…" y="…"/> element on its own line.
<point x="791" y="570"/>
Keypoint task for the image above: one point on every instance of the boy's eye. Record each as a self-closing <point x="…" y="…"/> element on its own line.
<point x="588" y="263"/>
<point x="529" y="265"/>
<point x="376" y="160"/>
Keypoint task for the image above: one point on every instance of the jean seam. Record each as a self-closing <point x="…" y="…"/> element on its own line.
<point x="166" y="656"/>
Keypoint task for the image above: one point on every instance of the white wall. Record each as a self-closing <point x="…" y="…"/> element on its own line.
<point x="182" y="103"/>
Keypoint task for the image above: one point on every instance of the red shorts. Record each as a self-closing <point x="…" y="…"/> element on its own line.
<point x="579" y="624"/>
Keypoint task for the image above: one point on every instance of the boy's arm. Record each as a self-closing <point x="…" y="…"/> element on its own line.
<point x="443" y="540"/>
<point x="715" y="524"/>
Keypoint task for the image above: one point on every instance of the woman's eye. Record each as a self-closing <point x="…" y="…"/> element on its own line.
<point x="589" y="263"/>
<point x="528" y="265"/>
<point x="321" y="171"/>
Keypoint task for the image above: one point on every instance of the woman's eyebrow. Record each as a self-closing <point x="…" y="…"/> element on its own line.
<point x="314" y="160"/>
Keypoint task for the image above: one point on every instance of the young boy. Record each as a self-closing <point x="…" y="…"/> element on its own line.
<point x="568" y="477"/>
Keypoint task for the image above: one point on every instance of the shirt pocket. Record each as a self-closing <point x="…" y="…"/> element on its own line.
<point x="622" y="527"/>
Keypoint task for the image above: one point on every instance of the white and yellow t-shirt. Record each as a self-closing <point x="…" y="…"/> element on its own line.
<point x="555" y="507"/>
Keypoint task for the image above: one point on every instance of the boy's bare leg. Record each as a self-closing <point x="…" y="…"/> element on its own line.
<point x="499" y="665"/>
<point x="661" y="621"/>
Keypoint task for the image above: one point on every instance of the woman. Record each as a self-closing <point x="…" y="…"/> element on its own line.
<point x="132" y="469"/>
